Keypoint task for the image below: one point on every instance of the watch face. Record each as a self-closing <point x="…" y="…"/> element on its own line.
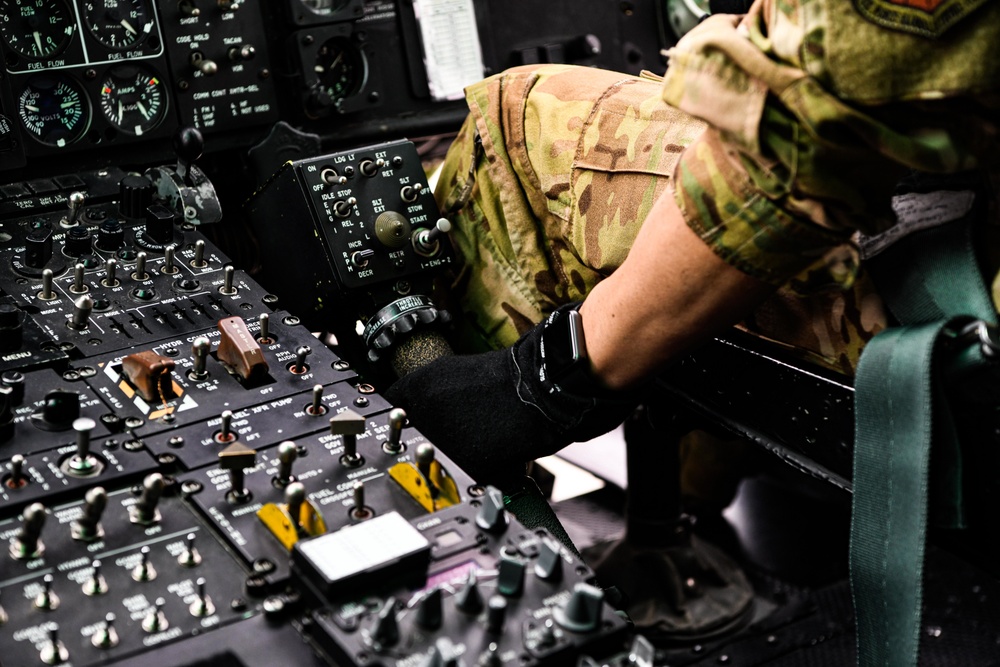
<point x="563" y="345"/>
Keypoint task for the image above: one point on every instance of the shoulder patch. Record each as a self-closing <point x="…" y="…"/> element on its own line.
<point x="929" y="18"/>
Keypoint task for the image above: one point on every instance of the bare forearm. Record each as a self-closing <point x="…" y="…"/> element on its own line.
<point x="671" y="293"/>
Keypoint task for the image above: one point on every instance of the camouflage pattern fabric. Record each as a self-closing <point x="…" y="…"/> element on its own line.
<point x="548" y="183"/>
<point x="806" y="145"/>
<point x="557" y="166"/>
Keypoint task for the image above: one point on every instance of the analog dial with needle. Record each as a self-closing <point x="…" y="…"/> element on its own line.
<point x="118" y="24"/>
<point x="36" y="30"/>
<point x="340" y="72"/>
<point x="133" y="99"/>
<point x="53" y="109"/>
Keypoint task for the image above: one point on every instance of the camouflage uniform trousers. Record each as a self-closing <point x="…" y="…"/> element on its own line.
<point x="779" y="136"/>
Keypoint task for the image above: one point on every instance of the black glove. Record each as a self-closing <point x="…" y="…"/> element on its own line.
<point x="491" y="413"/>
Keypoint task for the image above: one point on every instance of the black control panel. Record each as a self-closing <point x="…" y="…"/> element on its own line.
<point x="181" y="458"/>
<point x="92" y="81"/>
<point x="188" y="473"/>
<point x="373" y="215"/>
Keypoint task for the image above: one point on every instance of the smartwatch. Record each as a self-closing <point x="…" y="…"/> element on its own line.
<point x="565" y="364"/>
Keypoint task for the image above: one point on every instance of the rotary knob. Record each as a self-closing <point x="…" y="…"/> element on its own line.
<point x="110" y="235"/>
<point x="135" y="195"/>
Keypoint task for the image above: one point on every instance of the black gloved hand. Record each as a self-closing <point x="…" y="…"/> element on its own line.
<point x="491" y="413"/>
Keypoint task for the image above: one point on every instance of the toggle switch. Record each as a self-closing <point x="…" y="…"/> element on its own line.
<point x="427" y="481"/>
<point x="299" y="366"/>
<point x="27" y="544"/>
<point x="296" y="518"/>
<point x="88" y="527"/>
<point x="169" y="267"/>
<point x="225" y="434"/>
<point x="74" y="203"/>
<point x="342" y="208"/>
<point x="79" y="286"/>
<point x="490" y="657"/>
<point x="140" y="274"/>
<point x="370" y="168"/>
<point x="349" y="425"/>
<point x="54" y="652"/>
<point x="190" y="556"/>
<point x="47" y="600"/>
<point x="228" y="275"/>
<point x="360" y="511"/>
<point x="16" y="479"/>
<point x="155" y="620"/>
<point x="47" y="294"/>
<point x="236" y="458"/>
<point x="397" y="420"/>
<point x="106" y="637"/>
<point x="202" y="64"/>
<point x="96" y="584"/>
<point x="287" y="453"/>
<point x="202" y="605"/>
<point x="144" y="571"/>
<point x="264" y="337"/>
<point x="316" y="407"/>
<point x="409" y="193"/>
<point x="110" y="273"/>
<point x="200" y="349"/>
<point x="83" y="463"/>
<point x="145" y="512"/>
<point x="359" y="258"/>
<point x="427" y="242"/>
<point x="199" y="255"/>
<point x="151" y="375"/>
<point x="240" y="53"/>
<point x="82" y="308"/>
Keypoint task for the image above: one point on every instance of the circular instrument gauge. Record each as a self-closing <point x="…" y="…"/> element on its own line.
<point x="53" y="109"/>
<point x="118" y="24"/>
<point x="340" y="69"/>
<point x="37" y="29"/>
<point x="324" y="7"/>
<point x="133" y="99"/>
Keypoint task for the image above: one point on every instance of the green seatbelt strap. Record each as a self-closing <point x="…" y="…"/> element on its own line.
<point x="899" y="408"/>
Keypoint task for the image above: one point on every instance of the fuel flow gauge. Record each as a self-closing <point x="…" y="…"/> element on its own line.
<point x="133" y="99"/>
<point x="36" y="30"/>
<point x="118" y="24"/>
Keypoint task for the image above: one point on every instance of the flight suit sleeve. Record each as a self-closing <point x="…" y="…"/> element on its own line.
<point x="815" y="112"/>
